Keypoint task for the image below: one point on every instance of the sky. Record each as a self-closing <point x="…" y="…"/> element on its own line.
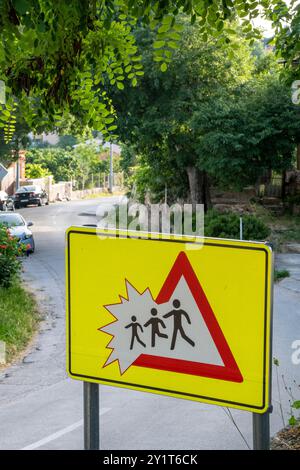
<point x="267" y="25"/>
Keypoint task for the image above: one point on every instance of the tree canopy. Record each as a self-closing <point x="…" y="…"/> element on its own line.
<point x="286" y="23"/>
<point x="66" y="164"/>
<point x="212" y="115"/>
<point x="156" y="121"/>
<point x="240" y="139"/>
<point x="56" y="58"/>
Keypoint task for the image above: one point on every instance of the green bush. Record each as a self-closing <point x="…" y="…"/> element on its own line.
<point x="36" y="170"/>
<point x="9" y="261"/>
<point x="294" y="199"/>
<point x="280" y="274"/>
<point x="227" y="225"/>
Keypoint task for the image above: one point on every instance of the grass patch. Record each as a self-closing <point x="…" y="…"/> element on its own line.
<point x="280" y="274"/>
<point x="103" y="194"/>
<point x="18" y="318"/>
<point x="284" y="228"/>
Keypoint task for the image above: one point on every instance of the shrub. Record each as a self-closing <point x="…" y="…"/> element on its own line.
<point x="280" y="274"/>
<point x="9" y="261"/>
<point x="36" y="170"/>
<point x="227" y="225"/>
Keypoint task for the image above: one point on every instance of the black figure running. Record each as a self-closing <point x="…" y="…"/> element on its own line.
<point x="177" y="315"/>
<point x="134" y="330"/>
<point x="155" y="322"/>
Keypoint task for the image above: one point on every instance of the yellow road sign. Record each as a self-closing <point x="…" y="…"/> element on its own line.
<point x="179" y="316"/>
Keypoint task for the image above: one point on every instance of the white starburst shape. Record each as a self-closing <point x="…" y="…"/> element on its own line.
<point x="135" y="305"/>
<point x="134" y="332"/>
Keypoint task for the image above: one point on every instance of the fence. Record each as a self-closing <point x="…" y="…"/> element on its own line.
<point x="66" y="190"/>
<point x="98" y="180"/>
<point x="270" y="186"/>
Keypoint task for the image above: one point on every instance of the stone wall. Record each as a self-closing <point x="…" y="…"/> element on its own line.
<point x="56" y="191"/>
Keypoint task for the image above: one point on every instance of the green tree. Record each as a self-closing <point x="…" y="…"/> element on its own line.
<point x="157" y="121"/>
<point x="64" y="164"/>
<point x="256" y="132"/>
<point x="88" y="161"/>
<point x="55" y="57"/>
<point x="66" y="141"/>
<point x="61" y="163"/>
<point x="19" y="141"/>
<point x="35" y="170"/>
<point x="286" y="23"/>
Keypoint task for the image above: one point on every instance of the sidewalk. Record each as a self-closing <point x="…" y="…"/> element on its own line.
<point x="290" y="262"/>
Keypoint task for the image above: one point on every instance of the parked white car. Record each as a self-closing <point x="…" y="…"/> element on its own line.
<point x="19" y="228"/>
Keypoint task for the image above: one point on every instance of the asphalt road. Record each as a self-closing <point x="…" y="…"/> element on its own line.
<point x="40" y="408"/>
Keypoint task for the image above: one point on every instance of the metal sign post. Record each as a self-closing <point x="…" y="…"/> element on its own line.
<point x="91" y="415"/>
<point x="261" y="431"/>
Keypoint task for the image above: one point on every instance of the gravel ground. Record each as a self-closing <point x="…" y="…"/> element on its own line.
<point x="287" y="439"/>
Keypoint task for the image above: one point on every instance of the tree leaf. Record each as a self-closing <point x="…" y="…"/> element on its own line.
<point x="292" y="421"/>
<point x="21" y="6"/>
<point x="158" y="44"/>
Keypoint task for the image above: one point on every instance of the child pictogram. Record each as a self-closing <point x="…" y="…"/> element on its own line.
<point x="177" y="326"/>
<point x="134" y="330"/>
<point x="155" y="322"/>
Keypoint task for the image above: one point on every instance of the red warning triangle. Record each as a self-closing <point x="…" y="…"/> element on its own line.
<point x="229" y="371"/>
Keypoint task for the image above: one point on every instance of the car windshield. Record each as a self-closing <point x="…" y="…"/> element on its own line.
<point x="11" y="220"/>
<point x="26" y="189"/>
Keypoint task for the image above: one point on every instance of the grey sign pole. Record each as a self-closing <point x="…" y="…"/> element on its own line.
<point x="261" y="431"/>
<point x="111" y="168"/>
<point x="241" y="228"/>
<point x="91" y="416"/>
<point x="261" y="422"/>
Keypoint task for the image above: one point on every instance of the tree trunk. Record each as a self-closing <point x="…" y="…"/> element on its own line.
<point x="283" y="185"/>
<point x="207" y="195"/>
<point x="193" y="176"/>
<point x="298" y="156"/>
<point x="199" y="187"/>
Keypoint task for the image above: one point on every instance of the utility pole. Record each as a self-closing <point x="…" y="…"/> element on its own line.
<point x="111" y="168"/>
<point x="18" y="173"/>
